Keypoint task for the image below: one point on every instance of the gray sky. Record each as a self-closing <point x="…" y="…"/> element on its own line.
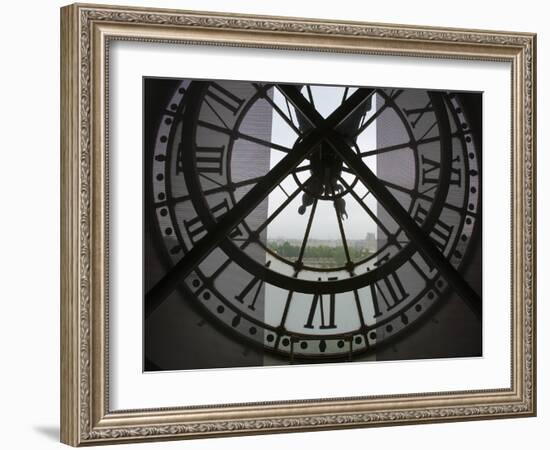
<point x="289" y="224"/>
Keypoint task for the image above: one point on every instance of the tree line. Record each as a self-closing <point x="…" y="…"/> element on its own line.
<point x="336" y="253"/>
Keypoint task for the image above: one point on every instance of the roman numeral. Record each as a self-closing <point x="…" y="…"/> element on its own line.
<point x="317" y="303"/>
<point x="429" y="166"/>
<point x="255" y="281"/>
<point x="418" y="113"/>
<point x="207" y="159"/>
<point x="195" y="228"/>
<point x="440" y="233"/>
<point x="388" y="289"/>
<point x="224" y="97"/>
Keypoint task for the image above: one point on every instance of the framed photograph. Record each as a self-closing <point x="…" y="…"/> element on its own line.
<point x="275" y="224"/>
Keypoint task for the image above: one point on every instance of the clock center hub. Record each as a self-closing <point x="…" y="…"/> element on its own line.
<point x="326" y="166"/>
<point x="325" y="180"/>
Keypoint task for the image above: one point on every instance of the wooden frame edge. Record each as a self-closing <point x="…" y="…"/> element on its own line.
<point x="69" y="227"/>
<point x="85" y="419"/>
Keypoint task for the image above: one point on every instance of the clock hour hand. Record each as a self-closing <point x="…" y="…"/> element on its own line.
<point x="326" y="167"/>
<point x="246" y="204"/>
<point x="312" y="188"/>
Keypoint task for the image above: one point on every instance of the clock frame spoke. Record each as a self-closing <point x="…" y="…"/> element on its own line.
<point x="288" y="301"/>
<point x="409" y="144"/>
<point x="298" y="263"/>
<point x="310" y="95"/>
<point x="239" y="135"/>
<point x="220" y="188"/>
<point x="215" y="113"/>
<point x="302" y="168"/>
<point x="390" y="148"/>
<point x="377" y="114"/>
<point x="345" y="94"/>
<point x="349" y="263"/>
<point x="422" y="196"/>
<point x="371" y="214"/>
<point x="288" y="119"/>
<point x="348" y="170"/>
<point x="278" y="211"/>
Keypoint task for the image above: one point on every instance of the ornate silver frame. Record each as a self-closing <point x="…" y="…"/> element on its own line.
<point x="86" y="31"/>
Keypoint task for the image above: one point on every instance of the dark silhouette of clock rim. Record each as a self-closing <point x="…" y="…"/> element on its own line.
<point x="189" y="116"/>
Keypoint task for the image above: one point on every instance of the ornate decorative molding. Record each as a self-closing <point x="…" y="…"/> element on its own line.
<point x="309" y="26"/>
<point x="85" y="226"/>
<point x="529" y="253"/>
<point x="291" y="423"/>
<point x="88" y="15"/>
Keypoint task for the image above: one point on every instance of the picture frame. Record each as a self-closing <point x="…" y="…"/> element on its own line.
<point x="87" y="415"/>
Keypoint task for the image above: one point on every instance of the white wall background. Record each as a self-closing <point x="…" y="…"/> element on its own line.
<point x="29" y="225"/>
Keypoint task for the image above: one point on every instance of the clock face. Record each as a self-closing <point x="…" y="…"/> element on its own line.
<point x="308" y="223"/>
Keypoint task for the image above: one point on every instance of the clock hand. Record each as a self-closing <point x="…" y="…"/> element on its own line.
<point x="338" y="118"/>
<point x="338" y="212"/>
<point x="298" y="264"/>
<point x="326" y="165"/>
<point x="158" y="293"/>
<point x="218" y="231"/>
<point x="422" y="241"/>
<point x="314" y="186"/>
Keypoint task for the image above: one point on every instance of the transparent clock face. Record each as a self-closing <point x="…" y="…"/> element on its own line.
<point x="302" y="223"/>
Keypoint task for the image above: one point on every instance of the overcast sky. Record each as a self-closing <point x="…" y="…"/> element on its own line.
<point x="291" y="225"/>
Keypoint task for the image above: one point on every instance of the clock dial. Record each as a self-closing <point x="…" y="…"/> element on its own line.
<point x="313" y="222"/>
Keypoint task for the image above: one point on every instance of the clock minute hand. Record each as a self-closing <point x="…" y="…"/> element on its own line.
<point x="422" y="241"/>
<point x="158" y="293"/>
<point x="338" y="117"/>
